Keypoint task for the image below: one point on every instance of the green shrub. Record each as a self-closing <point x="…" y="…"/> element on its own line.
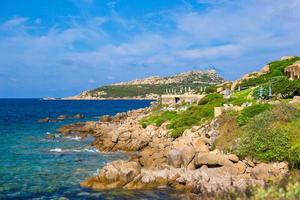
<point x="229" y="133"/>
<point x="249" y="112"/>
<point x="213" y="98"/>
<point x="158" y="119"/>
<point x="294" y="154"/>
<point x="195" y="114"/>
<point x="238" y="98"/>
<point x="273" y="135"/>
<point x="263" y="142"/>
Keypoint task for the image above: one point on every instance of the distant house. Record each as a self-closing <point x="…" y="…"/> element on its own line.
<point x="293" y="71"/>
<point x="172" y="99"/>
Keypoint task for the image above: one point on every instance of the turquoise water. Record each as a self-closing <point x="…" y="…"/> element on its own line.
<point x="34" y="167"/>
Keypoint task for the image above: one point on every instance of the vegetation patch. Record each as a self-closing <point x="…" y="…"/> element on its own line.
<point x="288" y="188"/>
<point x="121" y="91"/>
<point x="229" y="132"/>
<point x="196" y="114"/>
<point x="251" y="111"/>
<point x="276" y="69"/>
<point x="158" y="119"/>
<point x="273" y="135"/>
<point x="239" y="98"/>
<point x="280" y="86"/>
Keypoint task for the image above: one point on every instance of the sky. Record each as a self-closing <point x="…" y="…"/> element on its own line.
<point x="62" y="47"/>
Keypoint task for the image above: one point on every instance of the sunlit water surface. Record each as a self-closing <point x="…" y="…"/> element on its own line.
<point x="34" y="167"/>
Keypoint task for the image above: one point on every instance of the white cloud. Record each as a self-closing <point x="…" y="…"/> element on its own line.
<point x="218" y="51"/>
<point x="15" y="21"/>
<point x="238" y="40"/>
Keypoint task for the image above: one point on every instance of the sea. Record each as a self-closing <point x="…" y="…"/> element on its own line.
<point x="33" y="166"/>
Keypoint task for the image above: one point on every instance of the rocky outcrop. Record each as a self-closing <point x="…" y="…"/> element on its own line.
<point x="114" y="175"/>
<point x="60" y="118"/>
<point x="287" y="57"/>
<point x="81" y="129"/>
<point x="201" y="76"/>
<point x="185" y="163"/>
<point x="212" y="173"/>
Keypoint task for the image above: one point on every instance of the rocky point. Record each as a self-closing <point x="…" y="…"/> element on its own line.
<point x="186" y="163"/>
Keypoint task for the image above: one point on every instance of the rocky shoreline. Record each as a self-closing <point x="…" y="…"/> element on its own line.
<point x="187" y="163"/>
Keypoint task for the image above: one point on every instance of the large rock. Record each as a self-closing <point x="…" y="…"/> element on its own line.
<point x="296" y="100"/>
<point x="80" y="129"/>
<point x="200" y="146"/>
<point x="78" y="116"/>
<point x="106" y="118"/>
<point x="211" y="159"/>
<point x="175" y="158"/>
<point x="287" y="57"/>
<point x="114" y="175"/>
<point x="264" y="171"/>
<point x="115" y="137"/>
<point x="233" y="158"/>
<point x="152" y="158"/>
<point x="188" y="153"/>
<point x="240" y="167"/>
<point x="62" y="117"/>
<point x="44" y="120"/>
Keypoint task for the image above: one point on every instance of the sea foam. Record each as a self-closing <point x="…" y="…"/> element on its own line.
<point x="59" y="150"/>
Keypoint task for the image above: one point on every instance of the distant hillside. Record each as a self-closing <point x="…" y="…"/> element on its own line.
<point x="204" y="76"/>
<point x="152" y="86"/>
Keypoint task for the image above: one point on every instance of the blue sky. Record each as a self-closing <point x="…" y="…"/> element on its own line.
<point x="62" y="47"/>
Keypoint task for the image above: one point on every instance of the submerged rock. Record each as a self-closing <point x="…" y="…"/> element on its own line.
<point x="50" y="136"/>
<point x="62" y="117"/>
<point x="78" y="116"/>
<point x="78" y="129"/>
<point x="44" y="120"/>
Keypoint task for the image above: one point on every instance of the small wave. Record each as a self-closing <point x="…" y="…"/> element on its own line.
<point x="56" y="150"/>
<point x="77" y="138"/>
<point x="97" y="172"/>
<point x="89" y="150"/>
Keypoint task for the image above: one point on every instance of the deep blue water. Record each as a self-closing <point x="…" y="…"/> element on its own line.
<point x="34" y="167"/>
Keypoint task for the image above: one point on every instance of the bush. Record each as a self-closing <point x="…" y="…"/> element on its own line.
<point x="273" y="135"/>
<point x="249" y="112"/>
<point x="294" y="154"/>
<point x="229" y="132"/>
<point x="195" y="114"/>
<point x="238" y="98"/>
<point x="158" y="119"/>
<point x="263" y="142"/>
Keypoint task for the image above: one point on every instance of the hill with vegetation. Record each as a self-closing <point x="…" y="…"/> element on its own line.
<point x="261" y="122"/>
<point x="151" y="87"/>
<point x="272" y="77"/>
